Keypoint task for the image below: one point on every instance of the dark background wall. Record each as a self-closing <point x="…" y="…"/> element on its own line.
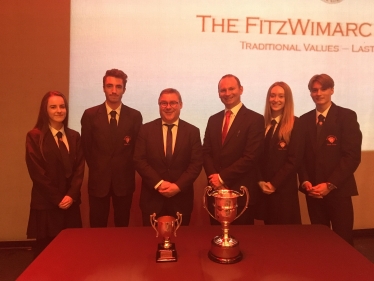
<point x="34" y="58"/>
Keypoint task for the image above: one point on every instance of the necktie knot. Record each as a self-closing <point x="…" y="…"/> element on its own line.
<point x="59" y="135"/>
<point x="170" y="126"/>
<point x="273" y="122"/>
<point x="113" y="114"/>
<point x="321" y="119"/>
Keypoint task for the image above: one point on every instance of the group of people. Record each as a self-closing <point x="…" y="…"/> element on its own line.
<point x="274" y="156"/>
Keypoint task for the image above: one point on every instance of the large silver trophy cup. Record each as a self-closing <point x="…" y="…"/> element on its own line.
<point x="225" y="248"/>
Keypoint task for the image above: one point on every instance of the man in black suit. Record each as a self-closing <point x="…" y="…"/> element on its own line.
<point x="332" y="154"/>
<point x="109" y="132"/>
<point x="168" y="160"/>
<point x="233" y="143"/>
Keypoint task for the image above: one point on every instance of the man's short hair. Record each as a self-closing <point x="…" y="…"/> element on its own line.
<point x="325" y="80"/>
<point x="171" y="91"/>
<point x="116" y="73"/>
<point x="233" y="76"/>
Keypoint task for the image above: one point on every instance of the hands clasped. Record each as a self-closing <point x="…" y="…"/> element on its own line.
<point x="266" y="187"/>
<point x="168" y="189"/>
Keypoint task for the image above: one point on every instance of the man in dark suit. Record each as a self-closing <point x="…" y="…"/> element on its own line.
<point x="233" y="143"/>
<point x="168" y="160"/>
<point x="332" y="154"/>
<point x="109" y="132"/>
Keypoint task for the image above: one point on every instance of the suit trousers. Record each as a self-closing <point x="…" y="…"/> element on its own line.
<point x="99" y="209"/>
<point x="334" y="212"/>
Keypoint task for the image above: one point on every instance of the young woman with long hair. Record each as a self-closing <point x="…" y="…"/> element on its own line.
<point x="55" y="163"/>
<point x="283" y="149"/>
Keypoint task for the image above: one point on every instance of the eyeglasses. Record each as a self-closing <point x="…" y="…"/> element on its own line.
<point x="164" y="104"/>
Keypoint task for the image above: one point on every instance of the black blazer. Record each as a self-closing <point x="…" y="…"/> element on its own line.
<point x="237" y="158"/>
<point x="110" y="162"/>
<point x="151" y="164"/>
<point x="335" y="156"/>
<point x="48" y="174"/>
<point x="281" y="164"/>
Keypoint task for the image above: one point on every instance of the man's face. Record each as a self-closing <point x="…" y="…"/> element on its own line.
<point x="170" y="107"/>
<point x="229" y="92"/>
<point x="114" y="90"/>
<point x="321" y="96"/>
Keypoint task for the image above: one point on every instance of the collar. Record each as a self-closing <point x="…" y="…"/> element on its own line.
<point x="176" y="123"/>
<point x="54" y="131"/>
<point x="108" y="109"/>
<point x="323" y="113"/>
<point x="235" y="109"/>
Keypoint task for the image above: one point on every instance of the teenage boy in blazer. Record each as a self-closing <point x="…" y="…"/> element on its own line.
<point x="167" y="179"/>
<point x="332" y="155"/>
<point x="232" y="145"/>
<point x="109" y="132"/>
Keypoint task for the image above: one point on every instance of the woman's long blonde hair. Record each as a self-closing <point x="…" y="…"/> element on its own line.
<point x="287" y="121"/>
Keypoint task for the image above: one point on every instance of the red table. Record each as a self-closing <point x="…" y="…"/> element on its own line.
<point x="304" y="252"/>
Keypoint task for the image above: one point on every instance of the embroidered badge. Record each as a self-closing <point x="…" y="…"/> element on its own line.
<point x="331" y="140"/>
<point x="282" y="145"/>
<point x="127" y="140"/>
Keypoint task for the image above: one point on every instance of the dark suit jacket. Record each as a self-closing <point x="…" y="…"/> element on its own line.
<point x="236" y="159"/>
<point x="336" y="154"/>
<point x="281" y="165"/>
<point x="110" y="162"/>
<point x="151" y="164"/>
<point x="47" y="174"/>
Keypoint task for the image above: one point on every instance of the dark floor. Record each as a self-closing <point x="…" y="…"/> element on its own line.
<point x="13" y="261"/>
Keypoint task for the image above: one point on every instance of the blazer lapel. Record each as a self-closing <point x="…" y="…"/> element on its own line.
<point x="330" y="121"/>
<point x="312" y="129"/>
<point x="72" y="148"/>
<point x="235" y="126"/>
<point x="50" y="141"/>
<point x="181" y="138"/>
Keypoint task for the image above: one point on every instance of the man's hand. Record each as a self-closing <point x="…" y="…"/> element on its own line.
<point x="170" y="190"/>
<point x="214" y="181"/>
<point x="319" y="191"/>
<point x="266" y="187"/>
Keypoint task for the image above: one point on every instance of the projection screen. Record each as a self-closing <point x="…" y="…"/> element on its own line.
<point x="190" y="45"/>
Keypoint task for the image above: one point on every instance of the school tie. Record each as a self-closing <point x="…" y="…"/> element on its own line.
<point x="321" y="121"/>
<point x="113" y="120"/>
<point x="169" y="143"/>
<point x="268" y="136"/>
<point x="65" y="155"/>
<point x="226" y="125"/>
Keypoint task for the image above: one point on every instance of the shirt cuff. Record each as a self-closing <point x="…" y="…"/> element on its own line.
<point x="158" y="184"/>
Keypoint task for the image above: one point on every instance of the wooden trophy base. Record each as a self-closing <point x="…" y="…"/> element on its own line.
<point x="166" y="255"/>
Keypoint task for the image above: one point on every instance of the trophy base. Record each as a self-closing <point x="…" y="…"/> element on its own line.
<point x="225" y="252"/>
<point x="166" y="255"/>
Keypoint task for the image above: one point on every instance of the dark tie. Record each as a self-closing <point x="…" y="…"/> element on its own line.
<point x="269" y="135"/>
<point x="226" y="125"/>
<point x="169" y="143"/>
<point x="113" y="120"/>
<point x="64" y="155"/>
<point x="113" y="123"/>
<point x="321" y="121"/>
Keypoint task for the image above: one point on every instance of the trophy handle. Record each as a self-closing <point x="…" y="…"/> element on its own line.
<point x="208" y="192"/>
<point x="178" y="223"/>
<point x="153" y="222"/>
<point x="244" y="190"/>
